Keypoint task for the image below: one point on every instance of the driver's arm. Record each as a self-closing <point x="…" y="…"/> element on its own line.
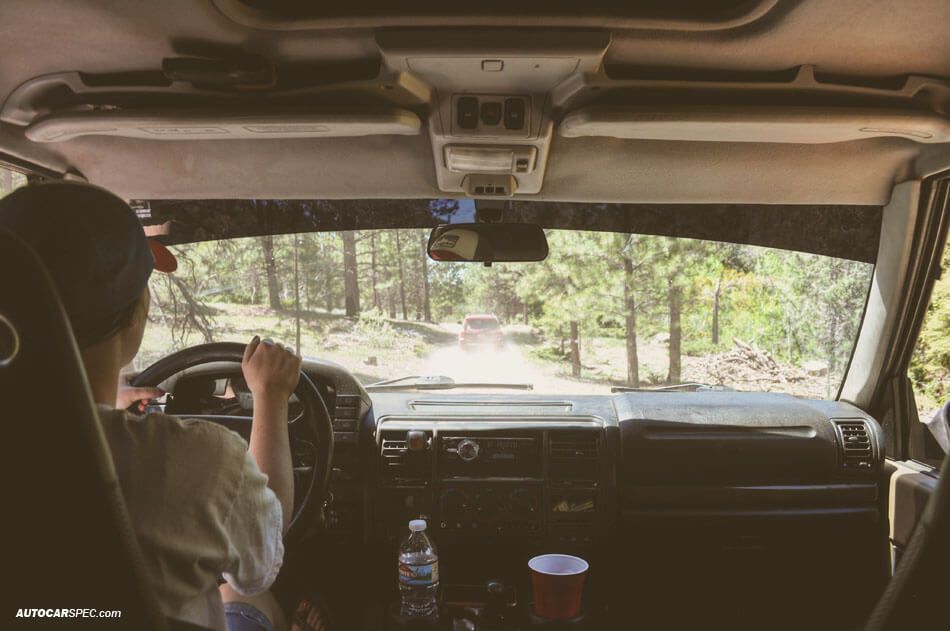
<point x="272" y="373"/>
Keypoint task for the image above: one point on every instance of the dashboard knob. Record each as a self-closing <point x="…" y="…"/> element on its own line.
<point x="489" y="503"/>
<point x="521" y="503"/>
<point x="468" y="450"/>
<point x="452" y="503"/>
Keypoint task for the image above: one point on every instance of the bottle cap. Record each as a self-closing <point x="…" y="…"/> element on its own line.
<point x="417" y="525"/>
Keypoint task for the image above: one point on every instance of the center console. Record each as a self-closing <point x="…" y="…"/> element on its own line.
<point x="496" y="493"/>
<point x="539" y="486"/>
<point x="489" y="483"/>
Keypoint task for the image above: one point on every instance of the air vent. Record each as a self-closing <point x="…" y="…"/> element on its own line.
<point x="401" y="466"/>
<point x="574" y="455"/>
<point x="856" y="448"/>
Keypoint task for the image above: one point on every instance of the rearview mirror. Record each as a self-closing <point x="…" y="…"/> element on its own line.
<point x="488" y="242"/>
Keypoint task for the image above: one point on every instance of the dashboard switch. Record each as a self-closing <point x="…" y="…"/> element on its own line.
<point x="467" y="450"/>
<point x="491" y="113"/>
<point x="344" y="437"/>
<point x="514" y="114"/>
<point x="467" y="112"/>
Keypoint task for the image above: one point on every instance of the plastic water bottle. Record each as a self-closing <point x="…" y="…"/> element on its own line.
<point x="418" y="573"/>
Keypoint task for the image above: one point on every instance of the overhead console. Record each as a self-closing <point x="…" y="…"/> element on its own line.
<point x="491" y="121"/>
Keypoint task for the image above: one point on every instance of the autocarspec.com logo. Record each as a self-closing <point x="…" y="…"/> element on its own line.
<point x="66" y="612"/>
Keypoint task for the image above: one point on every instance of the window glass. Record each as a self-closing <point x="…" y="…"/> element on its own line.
<point x="930" y="365"/>
<point x="10" y="180"/>
<point x="605" y="309"/>
<point x="482" y="323"/>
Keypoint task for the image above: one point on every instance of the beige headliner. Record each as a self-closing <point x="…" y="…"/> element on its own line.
<point x="845" y="37"/>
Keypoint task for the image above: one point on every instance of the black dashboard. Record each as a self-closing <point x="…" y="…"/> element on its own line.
<point x="713" y="494"/>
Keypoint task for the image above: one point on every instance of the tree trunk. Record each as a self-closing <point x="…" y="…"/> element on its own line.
<point x="630" y="305"/>
<point x="351" y="288"/>
<point x="575" y="350"/>
<point x="372" y="245"/>
<point x="270" y="265"/>
<point x="715" y="318"/>
<point x="297" y="292"/>
<point x="675" y="297"/>
<point x="426" y="305"/>
<point x="402" y="276"/>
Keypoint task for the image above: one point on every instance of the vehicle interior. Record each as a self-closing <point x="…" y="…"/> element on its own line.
<point x="818" y="127"/>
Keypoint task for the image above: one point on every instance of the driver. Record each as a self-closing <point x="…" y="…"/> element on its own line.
<point x="203" y="503"/>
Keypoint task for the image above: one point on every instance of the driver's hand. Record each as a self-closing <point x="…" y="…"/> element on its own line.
<point x="126" y="394"/>
<point x="271" y="371"/>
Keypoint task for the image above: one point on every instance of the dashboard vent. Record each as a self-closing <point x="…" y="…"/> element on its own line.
<point x="574" y="455"/>
<point x="856" y="449"/>
<point x="399" y="465"/>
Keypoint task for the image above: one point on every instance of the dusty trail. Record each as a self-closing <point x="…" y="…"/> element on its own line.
<point x="506" y="364"/>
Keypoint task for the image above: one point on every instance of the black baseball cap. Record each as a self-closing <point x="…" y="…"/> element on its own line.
<point x="93" y="246"/>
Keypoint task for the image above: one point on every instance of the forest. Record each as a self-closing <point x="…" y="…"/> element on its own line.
<point x="783" y="309"/>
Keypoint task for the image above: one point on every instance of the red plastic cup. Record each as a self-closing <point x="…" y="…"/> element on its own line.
<point x="558" y="582"/>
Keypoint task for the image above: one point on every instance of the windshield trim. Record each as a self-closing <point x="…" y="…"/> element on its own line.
<point x="847" y="232"/>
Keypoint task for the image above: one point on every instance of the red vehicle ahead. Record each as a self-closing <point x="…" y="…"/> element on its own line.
<point x="480" y="329"/>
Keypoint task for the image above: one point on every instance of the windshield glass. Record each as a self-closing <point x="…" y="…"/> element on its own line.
<point x="605" y="309"/>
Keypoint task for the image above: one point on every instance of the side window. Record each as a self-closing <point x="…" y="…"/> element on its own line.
<point x="930" y="365"/>
<point x="10" y="180"/>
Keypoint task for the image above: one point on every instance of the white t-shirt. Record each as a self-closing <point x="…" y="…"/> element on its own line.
<point x="200" y="508"/>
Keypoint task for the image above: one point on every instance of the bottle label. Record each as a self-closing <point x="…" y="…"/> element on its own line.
<point x="425" y="574"/>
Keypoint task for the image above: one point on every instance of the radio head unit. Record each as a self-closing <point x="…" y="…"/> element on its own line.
<point x="481" y="456"/>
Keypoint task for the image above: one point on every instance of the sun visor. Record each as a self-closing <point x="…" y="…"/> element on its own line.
<point x="223" y="125"/>
<point x="796" y="125"/>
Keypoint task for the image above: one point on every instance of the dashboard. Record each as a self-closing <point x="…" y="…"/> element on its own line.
<point x="714" y="494"/>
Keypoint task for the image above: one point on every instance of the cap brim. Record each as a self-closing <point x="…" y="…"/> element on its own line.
<point x="165" y="261"/>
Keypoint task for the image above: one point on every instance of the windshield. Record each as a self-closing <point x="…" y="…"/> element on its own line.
<point x="605" y="309"/>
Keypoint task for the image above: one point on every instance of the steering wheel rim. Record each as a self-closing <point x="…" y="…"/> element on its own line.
<point x="315" y="415"/>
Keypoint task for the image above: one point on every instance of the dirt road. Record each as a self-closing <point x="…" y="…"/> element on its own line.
<point x="506" y="364"/>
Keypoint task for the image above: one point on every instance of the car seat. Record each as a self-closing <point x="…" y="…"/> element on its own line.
<point x="69" y="540"/>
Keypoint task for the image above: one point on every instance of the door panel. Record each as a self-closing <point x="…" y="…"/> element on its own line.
<point x="911" y="485"/>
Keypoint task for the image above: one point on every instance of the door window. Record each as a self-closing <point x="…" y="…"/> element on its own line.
<point x="10" y="180"/>
<point x="930" y="364"/>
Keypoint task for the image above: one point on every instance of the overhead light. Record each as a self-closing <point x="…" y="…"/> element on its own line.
<point x="490" y="159"/>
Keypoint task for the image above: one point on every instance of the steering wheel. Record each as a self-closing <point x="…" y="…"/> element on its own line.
<point x="315" y="420"/>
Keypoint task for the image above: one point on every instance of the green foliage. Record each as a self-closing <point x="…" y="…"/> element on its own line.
<point x="10" y="181"/>
<point x="375" y="330"/>
<point x="930" y="364"/>
<point x="795" y="306"/>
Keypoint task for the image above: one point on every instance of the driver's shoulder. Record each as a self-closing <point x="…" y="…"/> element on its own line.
<point x="157" y="431"/>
